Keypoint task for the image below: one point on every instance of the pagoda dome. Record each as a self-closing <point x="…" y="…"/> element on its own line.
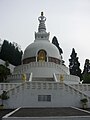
<point x="41" y="49"/>
<point x="33" y="49"/>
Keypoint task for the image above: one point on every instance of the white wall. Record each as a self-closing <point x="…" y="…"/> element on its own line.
<point x="62" y="95"/>
<point x="41" y="69"/>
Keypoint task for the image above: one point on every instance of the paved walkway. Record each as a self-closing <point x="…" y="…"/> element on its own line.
<point x="4" y="112"/>
<point x="44" y="112"/>
<point x="40" y="112"/>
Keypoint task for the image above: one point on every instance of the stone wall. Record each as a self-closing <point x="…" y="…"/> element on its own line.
<point x="62" y="95"/>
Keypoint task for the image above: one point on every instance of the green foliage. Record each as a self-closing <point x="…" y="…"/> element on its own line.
<point x="86" y="71"/>
<point x="4" y="72"/>
<point x="55" y="42"/>
<point x="84" y="103"/>
<point x="86" y="66"/>
<point x="11" y="53"/>
<point x="6" y="64"/>
<point x="86" y="78"/>
<point x="84" y="100"/>
<point x="74" y="65"/>
<point x="4" y="96"/>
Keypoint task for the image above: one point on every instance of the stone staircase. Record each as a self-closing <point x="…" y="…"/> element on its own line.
<point x="26" y="93"/>
<point x="20" y="92"/>
<point x="42" y="79"/>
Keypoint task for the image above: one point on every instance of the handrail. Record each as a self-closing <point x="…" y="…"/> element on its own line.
<point x="82" y="87"/>
<point x="54" y="76"/>
<point x="30" y="79"/>
<point x="38" y="64"/>
<point x="77" y="90"/>
<point x="51" y="83"/>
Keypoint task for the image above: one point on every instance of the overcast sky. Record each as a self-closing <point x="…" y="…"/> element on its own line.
<point x="68" y="20"/>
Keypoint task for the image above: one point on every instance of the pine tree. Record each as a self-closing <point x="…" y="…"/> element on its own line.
<point x="86" y="67"/>
<point x="4" y="50"/>
<point x="9" y="52"/>
<point x="74" y="65"/>
<point x="86" y="71"/>
<point x="4" y="72"/>
<point x="55" y="42"/>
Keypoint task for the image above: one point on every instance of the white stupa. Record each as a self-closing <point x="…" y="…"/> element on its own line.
<point x="41" y="59"/>
<point x="42" y="80"/>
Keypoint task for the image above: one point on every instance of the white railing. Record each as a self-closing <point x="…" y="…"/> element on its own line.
<point x="68" y="78"/>
<point x="54" y="77"/>
<point x="82" y="87"/>
<point x="47" y="85"/>
<point x="17" y="77"/>
<point x="30" y="79"/>
<point x="25" y="67"/>
<point x="7" y="86"/>
<point x="78" y="91"/>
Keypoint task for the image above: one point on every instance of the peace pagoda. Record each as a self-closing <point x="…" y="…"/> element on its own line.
<point x="42" y="80"/>
<point x="41" y="60"/>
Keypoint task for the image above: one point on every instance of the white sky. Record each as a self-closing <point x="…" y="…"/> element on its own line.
<point x="68" y="20"/>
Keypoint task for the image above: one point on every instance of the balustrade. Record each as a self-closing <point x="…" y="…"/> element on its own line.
<point x="49" y="85"/>
<point x="16" y="88"/>
<point x="82" y="87"/>
<point x="25" y="67"/>
<point x="44" y="86"/>
<point x="7" y="86"/>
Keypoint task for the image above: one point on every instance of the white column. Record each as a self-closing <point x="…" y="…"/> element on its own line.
<point x="36" y="58"/>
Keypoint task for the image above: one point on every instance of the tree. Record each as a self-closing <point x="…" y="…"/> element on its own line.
<point x="55" y="42"/>
<point x="6" y="64"/>
<point x="84" y="103"/>
<point x="86" y="66"/>
<point x="4" y="72"/>
<point x="86" y="71"/>
<point x="4" y="51"/>
<point x="74" y="65"/>
<point x="4" y="96"/>
<point x="11" y="53"/>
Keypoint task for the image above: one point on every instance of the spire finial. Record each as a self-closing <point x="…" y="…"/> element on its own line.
<point x="41" y="13"/>
<point x="42" y="20"/>
<point x="42" y="34"/>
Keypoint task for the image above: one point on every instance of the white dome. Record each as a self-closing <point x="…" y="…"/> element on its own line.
<point x="33" y="49"/>
<point x="41" y="43"/>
